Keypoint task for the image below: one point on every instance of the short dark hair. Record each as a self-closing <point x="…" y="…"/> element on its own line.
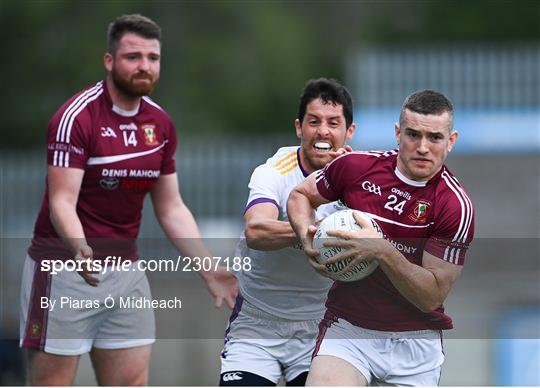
<point x="329" y="91"/>
<point x="137" y="24"/>
<point x="427" y="102"/>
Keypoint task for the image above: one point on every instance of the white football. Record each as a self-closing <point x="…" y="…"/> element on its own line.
<point x="343" y="220"/>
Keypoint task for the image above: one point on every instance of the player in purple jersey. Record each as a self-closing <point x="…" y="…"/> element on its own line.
<point x="108" y="146"/>
<point x="386" y="328"/>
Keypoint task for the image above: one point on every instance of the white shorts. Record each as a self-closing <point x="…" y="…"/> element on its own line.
<point x="268" y="346"/>
<point x="411" y="358"/>
<point x="80" y="318"/>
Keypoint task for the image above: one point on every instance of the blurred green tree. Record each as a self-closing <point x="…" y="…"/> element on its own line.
<point x="229" y="67"/>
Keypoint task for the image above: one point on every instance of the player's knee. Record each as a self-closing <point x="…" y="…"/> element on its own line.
<point x="35" y="378"/>
<point x="133" y="378"/>
<point x="138" y="381"/>
<point x="124" y="377"/>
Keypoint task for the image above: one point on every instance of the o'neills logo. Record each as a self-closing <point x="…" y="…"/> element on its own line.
<point x="420" y="211"/>
<point x="150" y="137"/>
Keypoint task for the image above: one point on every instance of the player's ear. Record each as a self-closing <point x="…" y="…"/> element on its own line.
<point x="108" y="61"/>
<point x="397" y="132"/>
<point x="350" y="132"/>
<point x="298" y="127"/>
<point x="452" y="140"/>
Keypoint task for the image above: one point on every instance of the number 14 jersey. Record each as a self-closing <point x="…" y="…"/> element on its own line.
<point x="122" y="154"/>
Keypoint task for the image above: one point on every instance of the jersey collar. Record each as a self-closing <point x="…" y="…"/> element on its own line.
<point x="126" y="113"/>
<point x="414" y="183"/>
<point x="408" y="181"/>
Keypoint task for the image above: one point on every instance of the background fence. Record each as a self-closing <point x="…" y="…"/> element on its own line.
<point x="474" y="75"/>
<point x="494" y="89"/>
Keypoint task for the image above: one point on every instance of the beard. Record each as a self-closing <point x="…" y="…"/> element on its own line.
<point x="132" y="89"/>
<point x="314" y="161"/>
<point x="317" y="161"/>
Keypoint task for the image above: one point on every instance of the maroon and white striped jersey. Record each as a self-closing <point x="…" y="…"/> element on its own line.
<point x="122" y="154"/>
<point x="436" y="216"/>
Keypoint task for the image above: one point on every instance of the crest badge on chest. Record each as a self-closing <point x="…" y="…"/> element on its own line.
<point x="150" y="137"/>
<point x="420" y="211"/>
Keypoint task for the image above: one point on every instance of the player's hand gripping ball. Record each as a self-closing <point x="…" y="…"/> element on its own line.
<point x="342" y="220"/>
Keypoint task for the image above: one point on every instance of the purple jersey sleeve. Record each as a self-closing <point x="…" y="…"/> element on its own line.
<point x="454" y="224"/>
<point x="264" y="187"/>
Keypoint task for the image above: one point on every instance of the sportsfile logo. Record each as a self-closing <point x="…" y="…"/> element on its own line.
<point x="234" y="376"/>
<point x="371" y="187"/>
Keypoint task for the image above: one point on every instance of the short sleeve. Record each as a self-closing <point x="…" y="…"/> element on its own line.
<point x="453" y="228"/>
<point x="263" y="187"/>
<point x="67" y="141"/>
<point x="168" y="166"/>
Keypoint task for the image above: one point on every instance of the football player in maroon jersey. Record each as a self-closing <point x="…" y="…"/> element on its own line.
<point x="386" y="328"/>
<point x="108" y="146"/>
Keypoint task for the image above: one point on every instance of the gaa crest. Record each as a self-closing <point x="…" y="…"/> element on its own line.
<point x="420" y="211"/>
<point x="150" y="137"/>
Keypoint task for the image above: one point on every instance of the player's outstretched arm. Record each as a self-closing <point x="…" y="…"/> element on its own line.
<point x="180" y="227"/>
<point x="64" y="185"/>
<point x="263" y="229"/>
